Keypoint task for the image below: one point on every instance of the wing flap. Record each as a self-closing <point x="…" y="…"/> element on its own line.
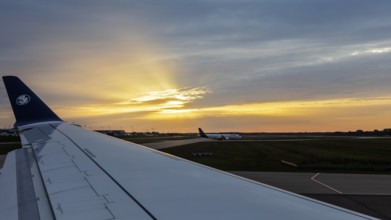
<point x="75" y="185"/>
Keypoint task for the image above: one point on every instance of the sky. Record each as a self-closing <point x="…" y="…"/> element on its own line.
<point x="223" y="65"/>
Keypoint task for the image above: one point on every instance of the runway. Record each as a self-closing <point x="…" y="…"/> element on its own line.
<point x="324" y="183"/>
<point x="167" y="144"/>
<point x="175" y="143"/>
<point x="3" y="143"/>
<point x="365" y="193"/>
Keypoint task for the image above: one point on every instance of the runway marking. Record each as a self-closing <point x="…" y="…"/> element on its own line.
<point x="327" y="186"/>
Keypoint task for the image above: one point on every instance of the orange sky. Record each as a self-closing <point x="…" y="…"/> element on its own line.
<point x="145" y="95"/>
<point x="223" y="66"/>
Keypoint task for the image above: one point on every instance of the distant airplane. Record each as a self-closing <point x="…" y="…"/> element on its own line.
<point x="219" y="136"/>
<point x="67" y="172"/>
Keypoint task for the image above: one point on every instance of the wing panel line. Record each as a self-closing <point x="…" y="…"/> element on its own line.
<point x="112" y="178"/>
<point x="27" y="205"/>
<point x="44" y="185"/>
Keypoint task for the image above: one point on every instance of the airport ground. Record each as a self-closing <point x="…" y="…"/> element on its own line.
<point x="350" y="172"/>
<point x="364" y="185"/>
<point x="330" y="154"/>
<point x="364" y="193"/>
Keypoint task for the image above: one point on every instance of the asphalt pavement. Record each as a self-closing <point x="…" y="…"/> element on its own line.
<point x="366" y="193"/>
<point x="324" y="183"/>
<point x="167" y="144"/>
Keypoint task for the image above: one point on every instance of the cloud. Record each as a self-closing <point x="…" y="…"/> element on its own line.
<point x="320" y="115"/>
<point x="184" y="95"/>
<point x="155" y="101"/>
<point x="95" y="53"/>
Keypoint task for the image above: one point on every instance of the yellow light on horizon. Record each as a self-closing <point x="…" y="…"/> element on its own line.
<point x="280" y="109"/>
<point x="168" y="109"/>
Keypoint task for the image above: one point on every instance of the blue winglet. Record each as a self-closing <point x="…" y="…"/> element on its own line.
<point x="28" y="108"/>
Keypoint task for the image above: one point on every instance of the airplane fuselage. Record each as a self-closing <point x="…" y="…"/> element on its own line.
<point x="224" y="136"/>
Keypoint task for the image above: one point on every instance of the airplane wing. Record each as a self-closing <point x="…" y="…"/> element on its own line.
<point x="67" y="172"/>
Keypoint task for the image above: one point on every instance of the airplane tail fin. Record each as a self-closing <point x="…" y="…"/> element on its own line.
<point x="202" y="134"/>
<point x="28" y="108"/>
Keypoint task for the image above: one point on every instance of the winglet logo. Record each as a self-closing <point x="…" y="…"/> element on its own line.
<point x="23" y="99"/>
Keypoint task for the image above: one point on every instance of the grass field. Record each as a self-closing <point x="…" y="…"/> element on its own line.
<point x="267" y="155"/>
<point x="8" y="144"/>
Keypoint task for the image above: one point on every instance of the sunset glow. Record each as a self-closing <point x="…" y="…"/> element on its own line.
<point x="157" y="107"/>
<point x="224" y="66"/>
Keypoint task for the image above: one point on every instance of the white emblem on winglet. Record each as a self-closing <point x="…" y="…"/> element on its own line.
<point x="23" y="99"/>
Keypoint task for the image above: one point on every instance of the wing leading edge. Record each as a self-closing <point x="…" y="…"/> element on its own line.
<point x="79" y="174"/>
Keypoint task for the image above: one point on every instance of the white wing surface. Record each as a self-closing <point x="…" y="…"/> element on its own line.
<point x="66" y="172"/>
